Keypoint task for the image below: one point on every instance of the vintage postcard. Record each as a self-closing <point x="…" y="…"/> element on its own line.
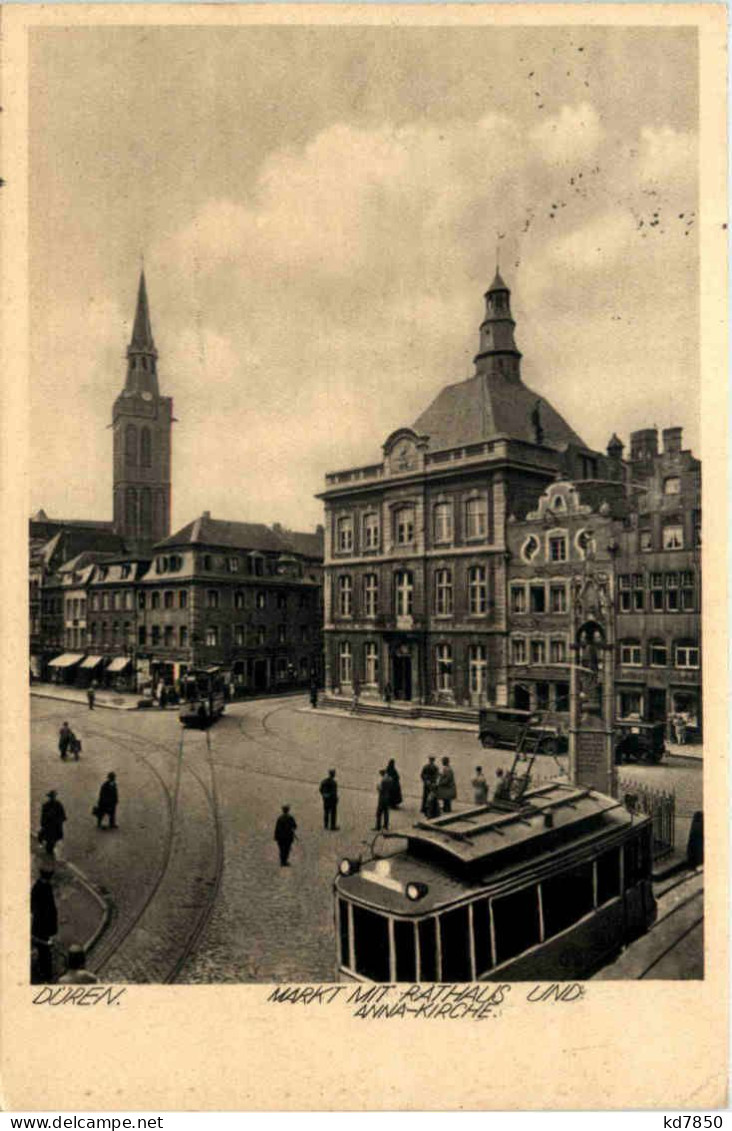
<point x="364" y="645"/>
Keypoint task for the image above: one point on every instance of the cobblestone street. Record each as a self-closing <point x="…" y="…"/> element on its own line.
<point x="267" y="923"/>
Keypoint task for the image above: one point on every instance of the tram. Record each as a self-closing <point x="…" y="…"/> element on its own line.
<point x="549" y="885"/>
<point x="203" y="697"/>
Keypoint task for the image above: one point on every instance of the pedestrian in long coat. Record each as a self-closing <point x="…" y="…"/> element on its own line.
<point x="446" y="788"/>
<point x="383" y="804"/>
<point x="480" y="787"/>
<point x="396" y="789"/>
<point x="284" y="834"/>
<point x="44" y="923"/>
<point x="329" y="793"/>
<point x="91" y="695"/>
<point x="107" y="804"/>
<point x="429" y="776"/>
<point x="64" y="738"/>
<point x="53" y="816"/>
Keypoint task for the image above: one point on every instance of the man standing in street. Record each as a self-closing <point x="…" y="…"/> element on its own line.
<point x="90" y="695"/>
<point x="44" y="924"/>
<point x="64" y="738"/>
<point x="107" y="803"/>
<point x="446" y="789"/>
<point x="284" y="834"/>
<point x="53" y="816"/>
<point x="329" y="793"/>
<point x="384" y="795"/>
<point x="429" y="776"/>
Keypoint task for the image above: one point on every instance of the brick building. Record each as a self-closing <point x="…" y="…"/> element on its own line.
<point x="415" y="566"/>
<point x="658" y="584"/>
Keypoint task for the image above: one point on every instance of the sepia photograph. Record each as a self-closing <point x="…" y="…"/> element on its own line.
<point x="364" y="504"/>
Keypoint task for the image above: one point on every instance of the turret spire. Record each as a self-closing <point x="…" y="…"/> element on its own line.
<point x="498" y="353"/>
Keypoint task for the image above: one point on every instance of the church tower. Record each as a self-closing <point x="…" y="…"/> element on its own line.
<point x="142" y="421"/>
<point x="498" y="353"/>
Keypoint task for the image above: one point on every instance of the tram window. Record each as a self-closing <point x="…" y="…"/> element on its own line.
<point x="566" y="898"/>
<point x="406" y="955"/>
<point x="482" y="936"/>
<point x="428" y="951"/>
<point x="343" y="931"/>
<point x="608" y="876"/>
<point x="371" y="940"/>
<point x="516" y="919"/>
<point x="455" y="939"/>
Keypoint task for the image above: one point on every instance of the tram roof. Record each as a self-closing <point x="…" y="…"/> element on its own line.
<point x="474" y="835"/>
<point x="487" y="846"/>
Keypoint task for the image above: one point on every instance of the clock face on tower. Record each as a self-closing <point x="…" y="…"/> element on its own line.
<point x="147" y="396"/>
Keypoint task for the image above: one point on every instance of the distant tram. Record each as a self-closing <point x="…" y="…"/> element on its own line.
<point x="203" y="697"/>
<point x="549" y="886"/>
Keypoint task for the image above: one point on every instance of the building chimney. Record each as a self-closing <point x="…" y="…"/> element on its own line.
<point x="672" y="440"/>
<point x="206" y="514"/>
<point x="644" y="444"/>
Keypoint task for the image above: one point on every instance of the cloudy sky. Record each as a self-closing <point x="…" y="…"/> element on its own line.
<point x="319" y="210"/>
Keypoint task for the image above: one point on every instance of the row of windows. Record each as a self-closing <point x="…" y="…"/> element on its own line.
<point x="658" y="592"/>
<point x="171" y="635"/>
<point x="403" y="593"/>
<point x="685" y="654"/>
<point x="170" y="599"/>
<point x="538" y="597"/>
<point x="465" y="942"/>
<point x="75" y="608"/>
<point x="475" y="526"/>
<point x="525" y="651"/>
<point x="442" y="658"/>
<point x="672" y="538"/>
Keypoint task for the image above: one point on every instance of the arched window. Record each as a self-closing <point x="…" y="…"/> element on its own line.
<point x="145" y="448"/>
<point x="131" y="511"/>
<point x="145" y="512"/>
<point x="130" y="445"/>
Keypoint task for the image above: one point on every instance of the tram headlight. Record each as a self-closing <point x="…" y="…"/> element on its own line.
<point x="415" y="890"/>
<point x="348" y="867"/>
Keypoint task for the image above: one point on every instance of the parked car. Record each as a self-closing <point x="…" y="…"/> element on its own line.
<point x="504" y="726"/>
<point x="640" y="742"/>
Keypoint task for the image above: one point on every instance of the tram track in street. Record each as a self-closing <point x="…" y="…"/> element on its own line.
<point x="124" y="930"/>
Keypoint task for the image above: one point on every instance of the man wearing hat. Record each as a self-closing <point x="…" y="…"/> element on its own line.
<point x="429" y="776"/>
<point x="77" y="974"/>
<point x="53" y="816"/>
<point x="107" y="803"/>
<point x="329" y="793"/>
<point x="44" y="924"/>
<point x="284" y="834"/>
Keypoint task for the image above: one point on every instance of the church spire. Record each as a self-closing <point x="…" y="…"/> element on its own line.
<point x="498" y="353"/>
<point x="142" y="338"/>
<point x="141" y="353"/>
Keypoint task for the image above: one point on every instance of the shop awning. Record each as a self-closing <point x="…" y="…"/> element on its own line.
<point x="91" y="661"/>
<point x="118" y="664"/>
<point x="66" y="660"/>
